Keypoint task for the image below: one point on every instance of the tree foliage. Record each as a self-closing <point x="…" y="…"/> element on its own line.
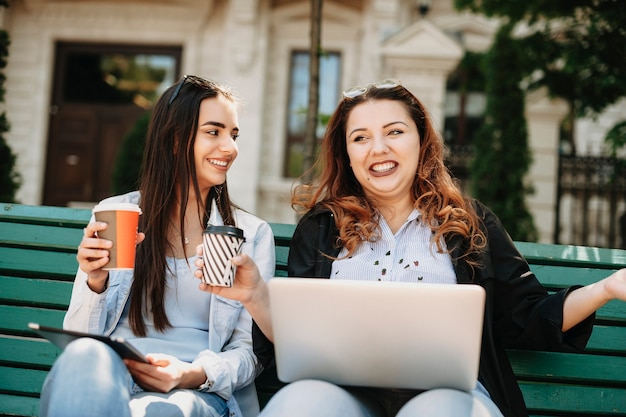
<point x="469" y="74"/>
<point x="575" y="48"/>
<point x="127" y="169"/>
<point x="616" y="138"/>
<point x="10" y="179"/>
<point x="501" y="152"/>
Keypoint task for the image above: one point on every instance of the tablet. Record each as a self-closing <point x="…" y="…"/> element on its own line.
<point x="62" y="337"/>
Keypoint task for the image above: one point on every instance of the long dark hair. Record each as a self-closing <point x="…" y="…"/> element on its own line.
<point x="435" y="193"/>
<point x="168" y="165"/>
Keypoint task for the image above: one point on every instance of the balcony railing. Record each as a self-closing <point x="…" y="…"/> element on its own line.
<point x="591" y="197"/>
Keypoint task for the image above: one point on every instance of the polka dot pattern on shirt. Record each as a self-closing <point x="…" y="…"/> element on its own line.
<point x="407" y="256"/>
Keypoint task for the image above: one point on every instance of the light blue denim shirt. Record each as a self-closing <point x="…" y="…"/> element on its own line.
<point x="229" y="361"/>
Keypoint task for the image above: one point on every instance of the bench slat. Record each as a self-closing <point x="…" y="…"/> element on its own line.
<point x="282" y="233"/>
<point x="45" y="215"/>
<point x="578" y="399"/>
<point x="24" y="381"/>
<point x="282" y="238"/>
<point x="282" y="254"/>
<point x="23" y="261"/>
<point x="14" y="320"/>
<point x="556" y="277"/>
<point x="38" y="236"/>
<point x="613" y="311"/>
<point x="538" y="253"/>
<point x="568" y="367"/>
<point x="17" y="405"/>
<point x="607" y="339"/>
<point x="27" y="352"/>
<point x="35" y="292"/>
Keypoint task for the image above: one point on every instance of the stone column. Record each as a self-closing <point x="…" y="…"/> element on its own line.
<point x="243" y="67"/>
<point x="422" y="57"/>
<point x="543" y="117"/>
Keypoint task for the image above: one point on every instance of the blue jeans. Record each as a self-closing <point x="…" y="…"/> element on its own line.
<point x="90" y="379"/>
<point x="309" y="398"/>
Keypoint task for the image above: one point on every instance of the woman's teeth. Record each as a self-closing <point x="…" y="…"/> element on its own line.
<point x="219" y="163"/>
<point x="383" y="167"/>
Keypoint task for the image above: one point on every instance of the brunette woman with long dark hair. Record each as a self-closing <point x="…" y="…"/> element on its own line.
<point x="199" y="346"/>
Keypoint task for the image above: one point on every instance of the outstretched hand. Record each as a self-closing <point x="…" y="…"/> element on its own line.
<point x="615" y="285"/>
<point x="584" y="301"/>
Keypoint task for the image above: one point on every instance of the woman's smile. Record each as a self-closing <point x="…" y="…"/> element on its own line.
<point x="384" y="168"/>
<point x="220" y="163"/>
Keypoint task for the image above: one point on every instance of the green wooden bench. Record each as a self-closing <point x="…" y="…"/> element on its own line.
<point x="38" y="262"/>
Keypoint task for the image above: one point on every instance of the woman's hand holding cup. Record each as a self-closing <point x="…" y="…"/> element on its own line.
<point x="248" y="287"/>
<point x="93" y="255"/>
<point x="245" y="284"/>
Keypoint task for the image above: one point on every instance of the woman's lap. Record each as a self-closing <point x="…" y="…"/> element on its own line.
<point x="318" y="398"/>
<point x="89" y="378"/>
<point x="177" y="403"/>
<point x="309" y="398"/>
<point x="444" y="402"/>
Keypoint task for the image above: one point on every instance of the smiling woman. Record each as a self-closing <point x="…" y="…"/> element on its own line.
<point x="385" y="208"/>
<point x="199" y="346"/>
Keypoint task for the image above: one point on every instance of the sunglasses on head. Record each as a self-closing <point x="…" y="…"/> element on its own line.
<point x="359" y="90"/>
<point x="197" y="81"/>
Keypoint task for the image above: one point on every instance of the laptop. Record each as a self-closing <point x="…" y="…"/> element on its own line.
<point x="377" y="334"/>
<point x="63" y="337"/>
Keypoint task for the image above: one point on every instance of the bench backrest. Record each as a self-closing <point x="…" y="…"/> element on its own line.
<point x="38" y="263"/>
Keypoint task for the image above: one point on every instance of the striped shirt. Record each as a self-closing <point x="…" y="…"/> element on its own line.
<point x="407" y="256"/>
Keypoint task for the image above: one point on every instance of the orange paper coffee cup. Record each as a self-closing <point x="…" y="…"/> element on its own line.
<point x="123" y="222"/>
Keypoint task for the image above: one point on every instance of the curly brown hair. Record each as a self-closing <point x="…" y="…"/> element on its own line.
<point x="436" y="194"/>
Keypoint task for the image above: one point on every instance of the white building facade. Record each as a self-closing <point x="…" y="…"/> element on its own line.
<point x="254" y="46"/>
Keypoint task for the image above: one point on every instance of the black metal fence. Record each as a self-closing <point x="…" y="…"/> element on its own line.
<point x="591" y="197"/>
<point x="591" y="202"/>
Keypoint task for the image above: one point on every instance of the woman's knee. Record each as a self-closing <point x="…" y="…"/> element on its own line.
<point x="85" y="379"/>
<point x="314" y="398"/>
<point x="449" y="403"/>
<point x="88" y="357"/>
<point x="311" y="390"/>
<point x="86" y="348"/>
<point x="179" y="403"/>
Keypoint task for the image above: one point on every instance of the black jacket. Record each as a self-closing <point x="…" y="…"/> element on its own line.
<point x="519" y="313"/>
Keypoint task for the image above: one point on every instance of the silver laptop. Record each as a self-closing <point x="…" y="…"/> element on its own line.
<point x="377" y="334"/>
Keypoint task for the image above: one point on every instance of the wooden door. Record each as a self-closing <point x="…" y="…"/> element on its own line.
<point x="99" y="93"/>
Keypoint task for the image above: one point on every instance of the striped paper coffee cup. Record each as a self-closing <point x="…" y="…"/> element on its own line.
<point x="220" y="245"/>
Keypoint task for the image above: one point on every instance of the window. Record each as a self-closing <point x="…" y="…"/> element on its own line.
<point x="298" y="102"/>
<point x="465" y="101"/>
<point x="464" y="112"/>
